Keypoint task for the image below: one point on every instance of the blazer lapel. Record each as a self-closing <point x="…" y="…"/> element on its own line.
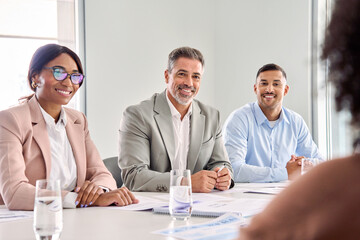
<point x="164" y="123"/>
<point x="40" y="133"/>
<point x="76" y="138"/>
<point x="197" y="125"/>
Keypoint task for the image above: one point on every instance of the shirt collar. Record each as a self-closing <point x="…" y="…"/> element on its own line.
<point x="174" y="111"/>
<point x="50" y="120"/>
<point x="261" y="118"/>
<point x="283" y="116"/>
<point x="259" y="115"/>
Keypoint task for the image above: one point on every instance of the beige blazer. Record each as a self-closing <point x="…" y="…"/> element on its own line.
<point x="25" y="153"/>
<point x="146" y="143"/>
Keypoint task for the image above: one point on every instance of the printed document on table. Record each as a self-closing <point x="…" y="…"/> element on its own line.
<point x="283" y="184"/>
<point x="247" y="207"/>
<point x="272" y="191"/>
<point x="199" y="197"/>
<point x="145" y="203"/>
<point x="264" y="188"/>
<point x="225" y="227"/>
<point x="7" y="215"/>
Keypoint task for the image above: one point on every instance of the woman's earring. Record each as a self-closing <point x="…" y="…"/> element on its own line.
<point x="34" y="85"/>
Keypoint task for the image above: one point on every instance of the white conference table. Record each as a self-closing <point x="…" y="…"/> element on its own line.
<point x="107" y="223"/>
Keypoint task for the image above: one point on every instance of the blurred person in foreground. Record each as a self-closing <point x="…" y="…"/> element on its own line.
<point x="41" y="139"/>
<point x="324" y="203"/>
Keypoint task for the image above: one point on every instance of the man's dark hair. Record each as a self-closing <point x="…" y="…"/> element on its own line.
<point x="271" y="67"/>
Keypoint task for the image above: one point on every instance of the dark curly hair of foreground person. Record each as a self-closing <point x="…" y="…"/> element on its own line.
<point x="342" y="48"/>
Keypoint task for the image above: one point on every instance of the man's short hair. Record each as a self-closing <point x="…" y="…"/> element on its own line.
<point x="271" y="67"/>
<point x="186" y="52"/>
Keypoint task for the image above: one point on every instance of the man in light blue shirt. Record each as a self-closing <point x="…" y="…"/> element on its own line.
<point x="264" y="140"/>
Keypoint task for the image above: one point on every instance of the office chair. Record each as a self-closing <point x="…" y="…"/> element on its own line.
<point x="113" y="167"/>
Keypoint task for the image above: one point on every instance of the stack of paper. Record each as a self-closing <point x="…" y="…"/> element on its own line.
<point x="6" y="215"/>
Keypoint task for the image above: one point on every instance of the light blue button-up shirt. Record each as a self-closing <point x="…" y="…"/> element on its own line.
<point x="259" y="152"/>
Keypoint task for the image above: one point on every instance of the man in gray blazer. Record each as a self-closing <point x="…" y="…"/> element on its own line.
<point x="171" y="130"/>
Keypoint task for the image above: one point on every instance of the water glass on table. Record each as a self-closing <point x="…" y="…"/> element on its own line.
<point x="180" y="205"/>
<point x="309" y="163"/>
<point x="48" y="217"/>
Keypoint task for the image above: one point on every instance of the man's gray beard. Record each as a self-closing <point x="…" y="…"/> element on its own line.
<point x="178" y="99"/>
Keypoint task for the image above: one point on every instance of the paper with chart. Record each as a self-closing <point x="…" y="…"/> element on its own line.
<point x="246" y="206"/>
<point x="224" y="228"/>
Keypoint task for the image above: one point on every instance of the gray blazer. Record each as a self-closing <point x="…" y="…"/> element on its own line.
<point x="146" y="143"/>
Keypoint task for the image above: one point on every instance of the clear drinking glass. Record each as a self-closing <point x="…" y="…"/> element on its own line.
<point x="180" y="205"/>
<point x="309" y="163"/>
<point x="48" y="218"/>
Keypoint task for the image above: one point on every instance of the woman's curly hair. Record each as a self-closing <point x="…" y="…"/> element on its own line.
<point x="342" y="49"/>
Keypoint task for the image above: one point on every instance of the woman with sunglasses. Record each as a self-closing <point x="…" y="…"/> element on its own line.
<point x="41" y="139"/>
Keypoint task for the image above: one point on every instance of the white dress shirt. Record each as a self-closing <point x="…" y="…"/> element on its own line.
<point x="63" y="165"/>
<point x="181" y="136"/>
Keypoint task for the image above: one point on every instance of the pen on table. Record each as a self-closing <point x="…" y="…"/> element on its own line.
<point x="221" y="168"/>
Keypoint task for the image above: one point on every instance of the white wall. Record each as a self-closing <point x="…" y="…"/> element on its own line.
<point x="252" y="33"/>
<point x="128" y="41"/>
